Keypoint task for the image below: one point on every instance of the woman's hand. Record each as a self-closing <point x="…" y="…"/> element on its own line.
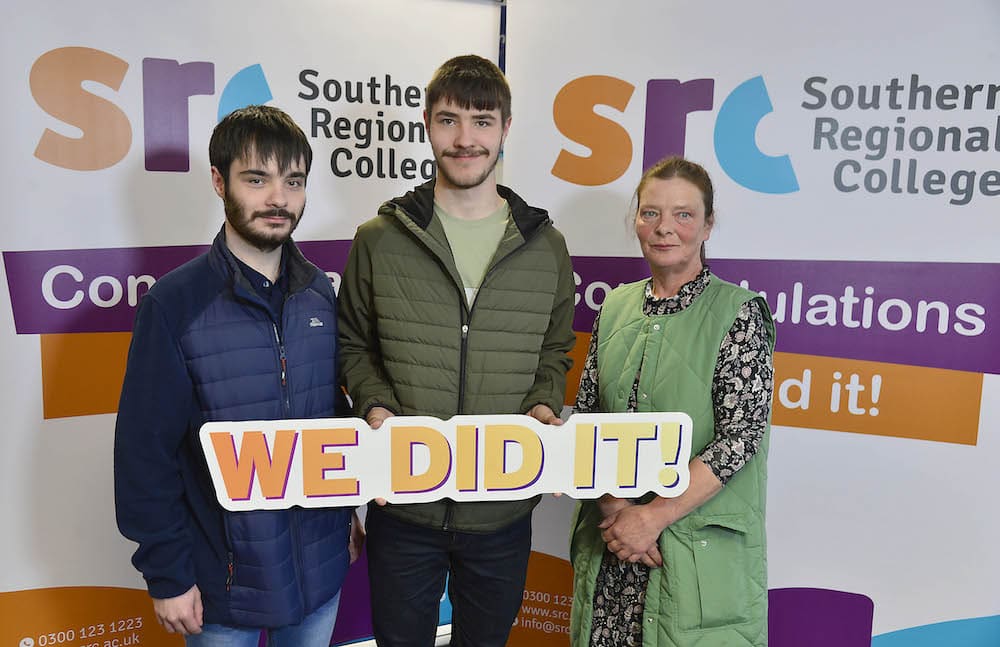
<point x="631" y="534"/>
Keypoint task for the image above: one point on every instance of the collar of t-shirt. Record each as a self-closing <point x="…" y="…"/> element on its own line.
<point x="272" y="292"/>
<point x="473" y="243"/>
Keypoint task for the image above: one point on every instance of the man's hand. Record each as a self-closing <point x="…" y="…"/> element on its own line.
<point x="543" y="414"/>
<point x="631" y="535"/>
<point x="357" y="541"/>
<point x="182" y="614"/>
<point x="375" y="417"/>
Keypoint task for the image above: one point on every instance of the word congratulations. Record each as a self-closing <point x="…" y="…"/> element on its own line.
<point x="414" y="459"/>
<point x="893" y="314"/>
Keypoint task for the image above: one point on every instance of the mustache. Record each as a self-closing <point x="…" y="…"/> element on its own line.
<point x="465" y="152"/>
<point x="273" y="213"/>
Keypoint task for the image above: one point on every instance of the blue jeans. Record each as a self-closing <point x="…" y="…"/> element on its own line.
<point x="407" y="568"/>
<point x="314" y="631"/>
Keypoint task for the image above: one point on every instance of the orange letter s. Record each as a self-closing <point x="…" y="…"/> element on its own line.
<point x="609" y="143"/>
<point x="55" y="84"/>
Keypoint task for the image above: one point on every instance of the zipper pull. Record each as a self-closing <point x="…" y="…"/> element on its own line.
<point x="281" y="351"/>
<point x="465" y="331"/>
<point x="229" y="575"/>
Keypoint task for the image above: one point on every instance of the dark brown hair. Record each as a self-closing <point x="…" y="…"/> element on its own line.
<point x="264" y="131"/>
<point x="470" y="82"/>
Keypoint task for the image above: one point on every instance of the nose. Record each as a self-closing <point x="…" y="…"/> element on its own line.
<point x="664" y="224"/>
<point x="277" y="198"/>
<point x="463" y="135"/>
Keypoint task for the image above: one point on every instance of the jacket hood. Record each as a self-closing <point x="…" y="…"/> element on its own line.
<point x="418" y="204"/>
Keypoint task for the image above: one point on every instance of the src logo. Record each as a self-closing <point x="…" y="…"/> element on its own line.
<point x="57" y="79"/>
<point x="668" y="103"/>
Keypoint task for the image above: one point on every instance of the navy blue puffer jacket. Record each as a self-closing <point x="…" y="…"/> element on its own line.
<point x="205" y="347"/>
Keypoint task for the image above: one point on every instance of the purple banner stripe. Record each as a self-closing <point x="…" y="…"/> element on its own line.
<point x="96" y="290"/>
<point x="939" y="315"/>
<point x="85" y="290"/>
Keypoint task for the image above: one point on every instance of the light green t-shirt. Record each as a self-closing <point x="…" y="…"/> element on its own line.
<point x="473" y="243"/>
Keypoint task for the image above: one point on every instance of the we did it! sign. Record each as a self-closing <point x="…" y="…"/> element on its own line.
<point x="414" y="459"/>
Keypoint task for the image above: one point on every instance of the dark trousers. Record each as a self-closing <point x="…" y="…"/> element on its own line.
<point x="407" y="568"/>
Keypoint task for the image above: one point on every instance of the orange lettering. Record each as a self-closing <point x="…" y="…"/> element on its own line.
<point x="609" y="143"/>
<point x="315" y="461"/>
<point x="402" y="443"/>
<point x="255" y="459"/>
<point x="497" y="475"/>
<point x="55" y="84"/>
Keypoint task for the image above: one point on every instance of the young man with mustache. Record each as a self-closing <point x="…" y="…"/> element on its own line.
<point x="247" y="331"/>
<point x="457" y="299"/>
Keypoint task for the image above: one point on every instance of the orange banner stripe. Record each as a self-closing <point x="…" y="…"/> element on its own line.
<point x="81" y="616"/>
<point x="82" y="373"/>
<point x="877" y="398"/>
<point x="548" y="596"/>
<point x="859" y="396"/>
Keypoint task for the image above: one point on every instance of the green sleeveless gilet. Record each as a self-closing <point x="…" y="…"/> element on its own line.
<point x="712" y="588"/>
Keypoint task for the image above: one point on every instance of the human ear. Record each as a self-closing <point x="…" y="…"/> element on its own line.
<point x="218" y="183"/>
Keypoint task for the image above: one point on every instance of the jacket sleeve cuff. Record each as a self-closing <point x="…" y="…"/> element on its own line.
<point x="161" y="588"/>
<point x="551" y="403"/>
<point x="371" y="403"/>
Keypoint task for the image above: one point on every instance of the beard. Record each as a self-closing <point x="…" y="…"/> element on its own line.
<point x="266" y="239"/>
<point x="465" y="182"/>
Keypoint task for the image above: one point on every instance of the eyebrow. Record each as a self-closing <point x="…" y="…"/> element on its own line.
<point x="261" y="173"/>
<point x="677" y="206"/>
<point x="478" y="115"/>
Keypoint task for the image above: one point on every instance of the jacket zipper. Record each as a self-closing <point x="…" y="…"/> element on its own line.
<point x="287" y="408"/>
<point x="465" y="316"/>
<point x="293" y="527"/>
<point x="284" y="370"/>
<point x="293" y="521"/>
<point x="450" y="506"/>
<point x="462" y="353"/>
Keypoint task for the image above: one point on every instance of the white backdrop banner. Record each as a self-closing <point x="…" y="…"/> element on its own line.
<point x="109" y="110"/>
<point x="854" y="150"/>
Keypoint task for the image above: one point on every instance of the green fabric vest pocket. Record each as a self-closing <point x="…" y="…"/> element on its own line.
<point x="720" y="555"/>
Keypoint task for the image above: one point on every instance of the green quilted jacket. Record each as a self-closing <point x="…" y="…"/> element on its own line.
<point x="409" y="342"/>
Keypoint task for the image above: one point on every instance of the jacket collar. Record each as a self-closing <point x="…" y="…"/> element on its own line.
<point x="418" y="204"/>
<point x="300" y="271"/>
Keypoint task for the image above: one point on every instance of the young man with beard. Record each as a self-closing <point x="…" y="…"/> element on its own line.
<point x="247" y="331"/>
<point x="457" y="299"/>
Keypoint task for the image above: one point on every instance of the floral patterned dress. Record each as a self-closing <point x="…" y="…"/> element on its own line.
<point x="741" y="394"/>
